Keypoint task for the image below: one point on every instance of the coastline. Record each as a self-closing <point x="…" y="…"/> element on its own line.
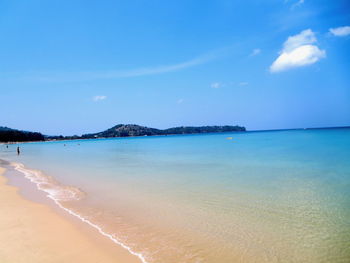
<point x="41" y="235"/>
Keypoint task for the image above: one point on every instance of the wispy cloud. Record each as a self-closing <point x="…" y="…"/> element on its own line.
<point x="298" y="50"/>
<point x="296" y="3"/>
<point x="115" y="74"/>
<point x="255" y="52"/>
<point x="99" y="98"/>
<point x="243" y="83"/>
<point x="216" y="85"/>
<point x="340" y="31"/>
<point x="180" y="101"/>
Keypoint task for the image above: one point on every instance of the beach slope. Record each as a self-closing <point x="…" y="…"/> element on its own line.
<point x="32" y="232"/>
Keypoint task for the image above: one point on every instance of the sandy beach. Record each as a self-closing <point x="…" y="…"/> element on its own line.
<point x="32" y="232"/>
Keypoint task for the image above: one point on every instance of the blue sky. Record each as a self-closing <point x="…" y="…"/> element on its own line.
<point x="72" y="67"/>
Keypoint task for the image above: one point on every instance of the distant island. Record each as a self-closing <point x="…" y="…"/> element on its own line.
<point x="120" y="130"/>
<point x="127" y="130"/>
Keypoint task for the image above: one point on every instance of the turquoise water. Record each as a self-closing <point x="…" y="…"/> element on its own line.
<point x="279" y="196"/>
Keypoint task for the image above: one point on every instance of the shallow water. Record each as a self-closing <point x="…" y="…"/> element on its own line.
<point x="277" y="196"/>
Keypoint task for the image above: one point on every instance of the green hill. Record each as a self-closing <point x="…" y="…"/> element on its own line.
<point x="127" y="130"/>
<point x="13" y="135"/>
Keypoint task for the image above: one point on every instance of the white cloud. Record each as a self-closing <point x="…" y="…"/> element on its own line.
<point x="300" y="2"/>
<point x="298" y="51"/>
<point x="216" y="85"/>
<point x="255" y="52"/>
<point x="298" y="57"/>
<point x="340" y="31"/>
<point x="99" y="98"/>
<point x="296" y="3"/>
<point x="303" y="38"/>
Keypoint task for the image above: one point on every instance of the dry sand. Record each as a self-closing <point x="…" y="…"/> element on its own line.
<point x="33" y="232"/>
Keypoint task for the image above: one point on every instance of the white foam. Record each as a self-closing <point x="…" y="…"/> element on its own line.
<point x="58" y="193"/>
<point x="48" y="184"/>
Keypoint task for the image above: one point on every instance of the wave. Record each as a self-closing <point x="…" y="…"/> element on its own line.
<point x="49" y="185"/>
<point x="58" y="193"/>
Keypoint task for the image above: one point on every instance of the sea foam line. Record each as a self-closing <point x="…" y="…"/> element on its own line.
<point x="30" y="175"/>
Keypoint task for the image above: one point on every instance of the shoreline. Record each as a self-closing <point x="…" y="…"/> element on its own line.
<point x="124" y="137"/>
<point x="179" y="134"/>
<point x="43" y="235"/>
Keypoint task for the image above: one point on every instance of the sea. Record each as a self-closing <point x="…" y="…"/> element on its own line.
<point x="268" y="196"/>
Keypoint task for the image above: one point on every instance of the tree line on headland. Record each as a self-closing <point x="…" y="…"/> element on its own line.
<point x="12" y="135"/>
<point x="120" y="130"/>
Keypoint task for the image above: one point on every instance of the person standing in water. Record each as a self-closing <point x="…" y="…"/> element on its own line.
<point x="18" y="151"/>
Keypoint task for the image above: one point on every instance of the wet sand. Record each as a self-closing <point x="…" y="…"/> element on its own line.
<point x="33" y="232"/>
